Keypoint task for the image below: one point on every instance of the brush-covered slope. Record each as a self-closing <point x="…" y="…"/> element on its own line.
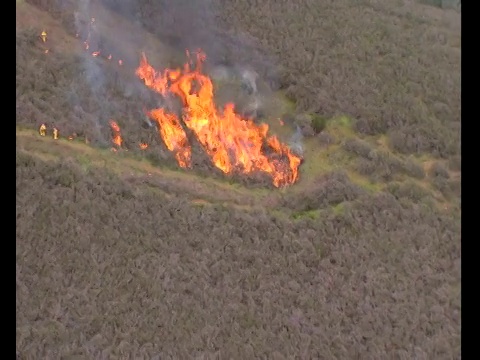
<point x="123" y="254"/>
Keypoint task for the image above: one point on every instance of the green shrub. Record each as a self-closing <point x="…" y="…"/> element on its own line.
<point x="414" y="169"/>
<point x="439" y="171"/>
<point x="358" y="147"/>
<point x="442" y="185"/>
<point x="408" y="190"/>
<point x="318" y="123"/>
<point x="330" y="190"/>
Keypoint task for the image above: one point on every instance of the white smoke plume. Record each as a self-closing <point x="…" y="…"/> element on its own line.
<point x="296" y="142"/>
<point x="118" y="27"/>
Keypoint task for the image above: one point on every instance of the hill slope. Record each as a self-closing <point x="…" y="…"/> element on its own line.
<point x="125" y="255"/>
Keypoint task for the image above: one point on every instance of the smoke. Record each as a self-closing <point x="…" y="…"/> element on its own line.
<point x="182" y="24"/>
<point x="296" y="142"/>
<point x="179" y="25"/>
<point x="193" y="24"/>
<point x="164" y="29"/>
<point x="101" y="33"/>
<point x="85" y="27"/>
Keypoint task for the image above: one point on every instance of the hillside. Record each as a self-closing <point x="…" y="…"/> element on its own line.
<point x="124" y="254"/>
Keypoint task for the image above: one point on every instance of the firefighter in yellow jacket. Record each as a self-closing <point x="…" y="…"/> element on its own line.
<point x="55" y="133"/>
<point x="43" y="130"/>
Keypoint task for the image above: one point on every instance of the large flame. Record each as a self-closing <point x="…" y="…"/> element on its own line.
<point x="173" y="136"/>
<point x="233" y="143"/>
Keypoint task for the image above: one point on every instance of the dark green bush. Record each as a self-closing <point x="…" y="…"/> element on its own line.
<point x="414" y="169"/>
<point x="318" y="123"/>
<point x="329" y="190"/>
<point x="358" y="147"/>
<point x="408" y="189"/>
<point x="438" y="170"/>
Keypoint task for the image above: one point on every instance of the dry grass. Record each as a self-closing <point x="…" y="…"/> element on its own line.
<point x="360" y="259"/>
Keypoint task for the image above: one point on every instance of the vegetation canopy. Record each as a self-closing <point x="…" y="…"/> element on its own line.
<point x="308" y="206"/>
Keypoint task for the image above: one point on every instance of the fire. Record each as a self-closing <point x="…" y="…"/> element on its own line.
<point x="87" y="46"/>
<point x="117" y="138"/>
<point x="143" y="146"/>
<point x="233" y="143"/>
<point x="173" y="135"/>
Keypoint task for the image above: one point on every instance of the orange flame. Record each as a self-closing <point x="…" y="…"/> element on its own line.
<point x="143" y="146"/>
<point x="173" y="135"/>
<point x="117" y="138"/>
<point x="232" y="142"/>
<point x="86" y="43"/>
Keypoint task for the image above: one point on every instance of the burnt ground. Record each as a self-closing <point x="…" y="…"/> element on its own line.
<point x="123" y="255"/>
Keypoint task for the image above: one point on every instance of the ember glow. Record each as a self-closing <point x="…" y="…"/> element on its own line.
<point x="86" y="44"/>
<point x="233" y="143"/>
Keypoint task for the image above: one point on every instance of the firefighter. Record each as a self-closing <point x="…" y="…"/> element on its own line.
<point x="43" y="130"/>
<point x="44" y="36"/>
<point x="55" y="133"/>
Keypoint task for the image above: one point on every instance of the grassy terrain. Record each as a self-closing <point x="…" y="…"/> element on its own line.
<point x="124" y="255"/>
